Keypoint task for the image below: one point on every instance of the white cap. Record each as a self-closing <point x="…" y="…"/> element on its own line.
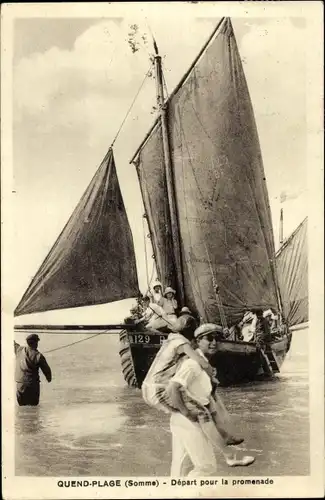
<point x="248" y="316"/>
<point x="207" y="328"/>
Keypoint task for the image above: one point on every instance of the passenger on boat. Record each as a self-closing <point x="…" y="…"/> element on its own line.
<point x="277" y="327"/>
<point x="268" y="317"/>
<point x="234" y="333"/>
<point x="152" y="313"/>
<point x="248" y="326"/>
<point x="28" y="362"/>
<point x="156" y="294"/>
<point x="135" y="314"/>
<point x="272" y="320"/>
<point x="186" y="323"/>
<point x="169" y="304"/>
<point x="195" y="427"/>
<point x="263" y="334"/>
<point x="154" y="317"/>
<point x="275" y="323"/>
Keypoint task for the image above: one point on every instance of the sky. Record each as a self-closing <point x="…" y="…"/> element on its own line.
<point x="73" y="81"/>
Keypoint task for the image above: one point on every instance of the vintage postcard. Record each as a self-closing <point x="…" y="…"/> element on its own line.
<point x="162" y="250"/>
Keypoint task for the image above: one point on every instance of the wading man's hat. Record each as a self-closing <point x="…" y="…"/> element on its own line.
<point x="207" y="328"/>
<point x="33" y="337"/>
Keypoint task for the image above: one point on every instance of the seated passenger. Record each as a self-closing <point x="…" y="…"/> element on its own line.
<point x="156" y="295"/>
<point x="170" y="305"/>
<point x="154" y="317"/>
<point x="248" y="326"/>
<point x="234" y="333"/>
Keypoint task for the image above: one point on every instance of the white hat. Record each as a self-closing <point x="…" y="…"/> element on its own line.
<point x="267" y="313"/>
<point x="157" y="283"/>
<point x="185" y="310"/>
<point x="248" y="316"/>
<point x="207" y="328"/>
<point x="169" y="290"/>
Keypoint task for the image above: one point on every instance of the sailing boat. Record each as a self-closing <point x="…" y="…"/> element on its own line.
<point x="292" y="268"/>
<point x="203" y="186"/>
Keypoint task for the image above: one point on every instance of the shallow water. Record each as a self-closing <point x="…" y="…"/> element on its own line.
<point x="89" y="423"/>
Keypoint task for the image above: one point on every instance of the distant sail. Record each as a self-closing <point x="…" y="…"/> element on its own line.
<point x="151" y="174"/>
<point x="222" y="201"/>
<point x="93" y="260"/>
<point x="292" y="269"/>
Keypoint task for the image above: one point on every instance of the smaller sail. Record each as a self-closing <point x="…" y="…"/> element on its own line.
<point x="93" y="260"/>
<point x="292" y="270"/>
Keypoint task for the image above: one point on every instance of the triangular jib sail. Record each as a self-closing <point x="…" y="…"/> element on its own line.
<point x="93" y="260"/>
<point x="219" y="183"/>
<point x="292" y="269"/>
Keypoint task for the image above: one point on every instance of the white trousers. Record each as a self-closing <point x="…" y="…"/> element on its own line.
<point x="192" y="453"/>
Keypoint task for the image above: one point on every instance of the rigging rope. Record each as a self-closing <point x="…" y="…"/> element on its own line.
<point x="152" y="271"/>
<point x="216" y="291"/>
<point x="161" y="317"/>
<point x="132" y="104"/>
<point x="151" y="277"/>
<point x="145" y="249"/>
<point x="76" y="342"/>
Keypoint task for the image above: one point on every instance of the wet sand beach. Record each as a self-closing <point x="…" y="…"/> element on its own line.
<point x="89" y="423"/>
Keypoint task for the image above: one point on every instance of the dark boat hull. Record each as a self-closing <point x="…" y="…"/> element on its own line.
<point x="236" y="362"/>
<point x="240" y="362"/>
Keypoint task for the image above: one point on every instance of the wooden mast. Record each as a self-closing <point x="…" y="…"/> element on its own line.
<point x="175" y="235"/>
<point x="281" y="226"/>
<point x="181" y="82"/>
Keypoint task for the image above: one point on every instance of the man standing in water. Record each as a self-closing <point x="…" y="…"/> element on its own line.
<point x="28" y="362"/>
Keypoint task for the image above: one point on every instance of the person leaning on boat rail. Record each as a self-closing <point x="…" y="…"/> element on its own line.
<point x="262" y="330"/>
<point x="195" y="426"/>
<point x="28" y="362"/>
<point x="248" y="326"/>
<point x="271" y="320"/>
<point x="154" y="317"/>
